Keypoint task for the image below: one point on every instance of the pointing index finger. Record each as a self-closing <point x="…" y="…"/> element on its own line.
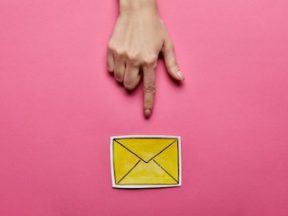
<point x="149" y="89"/>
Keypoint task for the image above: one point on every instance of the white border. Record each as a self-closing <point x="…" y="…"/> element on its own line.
<point x="145" y="186"/>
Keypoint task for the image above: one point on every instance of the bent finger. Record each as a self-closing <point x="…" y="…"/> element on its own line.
<point x="119" y="69"/>
<point x="110" y="61"/>
<point x="131" y="77"/>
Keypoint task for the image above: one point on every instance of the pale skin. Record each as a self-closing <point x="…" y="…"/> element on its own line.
<point x="138" y="37"/>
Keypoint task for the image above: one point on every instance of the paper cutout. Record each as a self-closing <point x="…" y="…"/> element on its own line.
<point x="145" y="161"/>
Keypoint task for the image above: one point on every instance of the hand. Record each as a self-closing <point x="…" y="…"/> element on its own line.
<point x="138" y="38"/>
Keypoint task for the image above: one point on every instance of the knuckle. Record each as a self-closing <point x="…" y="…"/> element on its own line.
<point x="111" y="46"/>
<point x="148" y="102"/>
<point x="122" y="54"/>
<point x="134" y="60"/>
<point x="149" y="89"/>
<point x="119" y="51"/>
<point x="149" y="60"/>
<point x="132" y="56"/>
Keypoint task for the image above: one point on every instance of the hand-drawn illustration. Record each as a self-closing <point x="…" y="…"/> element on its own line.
<point x="145" y="161"/>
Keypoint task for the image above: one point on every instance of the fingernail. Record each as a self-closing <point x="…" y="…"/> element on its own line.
<point x="180" y="75"/>
<point x="147" y="112"/>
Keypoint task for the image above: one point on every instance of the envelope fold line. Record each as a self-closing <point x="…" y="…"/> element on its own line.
<point x="128" y="172"/>
<point x="165" y="171"/>
<point x="129" y="150"/>
<point x="161" y="151"/>
<point x="142" y="158"/>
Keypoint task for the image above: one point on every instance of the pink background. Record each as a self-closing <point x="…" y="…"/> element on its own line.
<point x="58" y="107"/>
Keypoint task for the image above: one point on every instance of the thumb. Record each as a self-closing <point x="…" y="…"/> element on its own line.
<point x="170" y="60"/>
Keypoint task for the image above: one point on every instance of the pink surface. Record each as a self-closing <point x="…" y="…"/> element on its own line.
<point x="58" y="107"/>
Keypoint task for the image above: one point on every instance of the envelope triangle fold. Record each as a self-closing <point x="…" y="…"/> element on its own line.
<point x="123" y="161"/>
<point x="148" y="173"/>
<point x="168" y="160"/>
<point x="146" y="148"/>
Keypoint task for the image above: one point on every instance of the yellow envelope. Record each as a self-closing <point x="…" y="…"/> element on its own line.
<point x="145" y="161"/>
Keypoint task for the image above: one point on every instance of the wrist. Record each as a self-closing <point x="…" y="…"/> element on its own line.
<point x="127" y="6"/>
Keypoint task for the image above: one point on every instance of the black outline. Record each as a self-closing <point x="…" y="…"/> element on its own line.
<point x="146" y="184"/>
<point x="114" y="170"/>
<point x="177" y="143"/>
<point x="150" y="137"/>
<point x="178" y="166"/>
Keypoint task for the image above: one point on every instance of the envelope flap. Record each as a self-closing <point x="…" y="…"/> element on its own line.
<point x="146" y="148"/>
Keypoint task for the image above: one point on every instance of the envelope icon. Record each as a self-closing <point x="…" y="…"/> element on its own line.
<point x="145" y="161"/>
